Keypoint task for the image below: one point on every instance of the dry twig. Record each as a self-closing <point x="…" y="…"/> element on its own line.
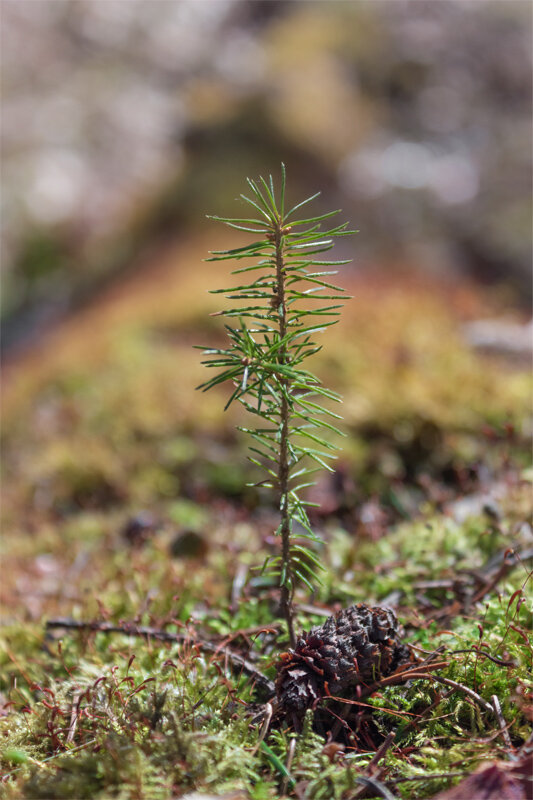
<point x="233" y="658"/>
<point x="288" y="765"/>
<point x="74" y="716"/>
<point x="501" y="721"/>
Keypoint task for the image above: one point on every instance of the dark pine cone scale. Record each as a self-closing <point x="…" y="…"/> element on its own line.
<point x="356" y="647"/>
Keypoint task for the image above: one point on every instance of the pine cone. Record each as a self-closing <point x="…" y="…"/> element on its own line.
<point x="356" y="646"/>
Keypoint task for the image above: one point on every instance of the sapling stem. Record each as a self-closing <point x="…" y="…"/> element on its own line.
<point x="287" y="587"/>
<point x="272" y="338"/>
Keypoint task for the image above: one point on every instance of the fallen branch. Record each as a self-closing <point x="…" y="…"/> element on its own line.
<point x="128" y="629"/>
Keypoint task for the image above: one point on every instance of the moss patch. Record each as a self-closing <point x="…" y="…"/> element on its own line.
<point x="95" y="437"/>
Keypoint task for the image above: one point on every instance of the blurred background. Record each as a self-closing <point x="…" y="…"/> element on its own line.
<point x="124" y="123"/>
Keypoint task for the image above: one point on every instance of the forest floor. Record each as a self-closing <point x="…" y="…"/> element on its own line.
<point x="125" y="506"/>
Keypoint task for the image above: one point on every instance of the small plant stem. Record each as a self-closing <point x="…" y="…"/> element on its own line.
<point x="287" y="584"/>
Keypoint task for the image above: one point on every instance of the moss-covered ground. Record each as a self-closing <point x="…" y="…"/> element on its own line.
<point x="125" y="503"/>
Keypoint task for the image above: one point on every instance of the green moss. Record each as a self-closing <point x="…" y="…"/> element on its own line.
<point x="89" y="442"/>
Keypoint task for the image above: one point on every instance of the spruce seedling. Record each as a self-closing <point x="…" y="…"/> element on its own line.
<point x="271" y="332"/>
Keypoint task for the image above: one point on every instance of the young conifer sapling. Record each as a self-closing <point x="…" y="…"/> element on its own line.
<point x="287" y="299"/>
